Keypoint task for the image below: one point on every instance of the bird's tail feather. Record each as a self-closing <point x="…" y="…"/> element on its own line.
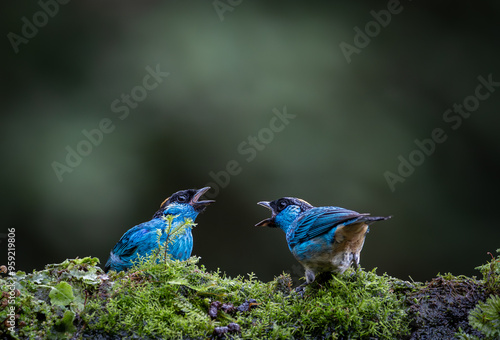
<point x="370" y="219"/>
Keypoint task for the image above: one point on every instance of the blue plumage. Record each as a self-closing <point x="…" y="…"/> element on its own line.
<point x="143" y="238"/>
<point x="320" y="238"/>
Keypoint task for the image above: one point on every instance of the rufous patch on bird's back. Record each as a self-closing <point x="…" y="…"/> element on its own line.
<point x="351" y="237"/>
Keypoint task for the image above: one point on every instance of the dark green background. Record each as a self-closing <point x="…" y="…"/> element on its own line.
<point x="352" y="122"/>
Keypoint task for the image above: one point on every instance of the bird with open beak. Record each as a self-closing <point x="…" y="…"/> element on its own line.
<point x="322" y="239"/>
<point x="142" y="239"/>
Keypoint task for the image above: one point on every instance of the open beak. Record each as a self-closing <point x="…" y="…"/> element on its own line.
<point x="200" y="205"/>
<point x="268" y="222"/>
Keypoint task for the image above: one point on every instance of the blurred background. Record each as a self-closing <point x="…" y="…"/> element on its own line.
<point x="230" y="65"/>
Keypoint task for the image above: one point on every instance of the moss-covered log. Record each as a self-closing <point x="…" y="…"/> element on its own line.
<point x="182" y="300"/>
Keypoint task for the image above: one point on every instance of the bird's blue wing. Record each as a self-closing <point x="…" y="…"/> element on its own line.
<point x="317" y="221"/>
<point x="141" y="237"/>
<point x="127" y="244"/>
<point x="143" y="240"/>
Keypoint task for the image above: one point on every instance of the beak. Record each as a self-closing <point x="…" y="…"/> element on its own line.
<point x="200" y="205"/>
<point x="268" y="222"/>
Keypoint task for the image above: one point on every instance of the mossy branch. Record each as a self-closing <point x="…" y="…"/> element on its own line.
<point x="181" y="299"/>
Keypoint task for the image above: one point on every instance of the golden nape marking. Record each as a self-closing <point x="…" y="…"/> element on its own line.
<point x="162" y="203"/>
<point x="303" y="201"/>
<point x="351" y="237"/>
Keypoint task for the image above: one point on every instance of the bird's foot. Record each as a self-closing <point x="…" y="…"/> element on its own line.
<point x="300" y="290"/>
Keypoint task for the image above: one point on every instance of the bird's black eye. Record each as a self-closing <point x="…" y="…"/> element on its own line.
<point x="181" y="198"/>
<point x="282" y="205"/>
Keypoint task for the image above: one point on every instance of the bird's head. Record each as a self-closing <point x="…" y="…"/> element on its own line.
<point x="284" y="211"/>
<point x="184" y="202"/>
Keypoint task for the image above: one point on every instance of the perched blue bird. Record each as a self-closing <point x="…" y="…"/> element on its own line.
<point x="143" y="238"/>
<point x="322" y="239"/>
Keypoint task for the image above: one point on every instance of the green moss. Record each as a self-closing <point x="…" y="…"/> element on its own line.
<point x="491" y="274"/>
<point x="161" y="298"/>
<point x="359" y="306"/>
<point x="485" y="317"/>
<point x="171" y="299"/>
<point x="48" y="300"/>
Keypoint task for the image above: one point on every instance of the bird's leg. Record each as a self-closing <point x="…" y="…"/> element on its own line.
<point x="355" y="262"/>
<point x="310" y="276"/>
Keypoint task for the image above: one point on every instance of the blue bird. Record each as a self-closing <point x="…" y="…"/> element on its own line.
<point x="143" y="238"/>
<point x="322" y="239"/>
